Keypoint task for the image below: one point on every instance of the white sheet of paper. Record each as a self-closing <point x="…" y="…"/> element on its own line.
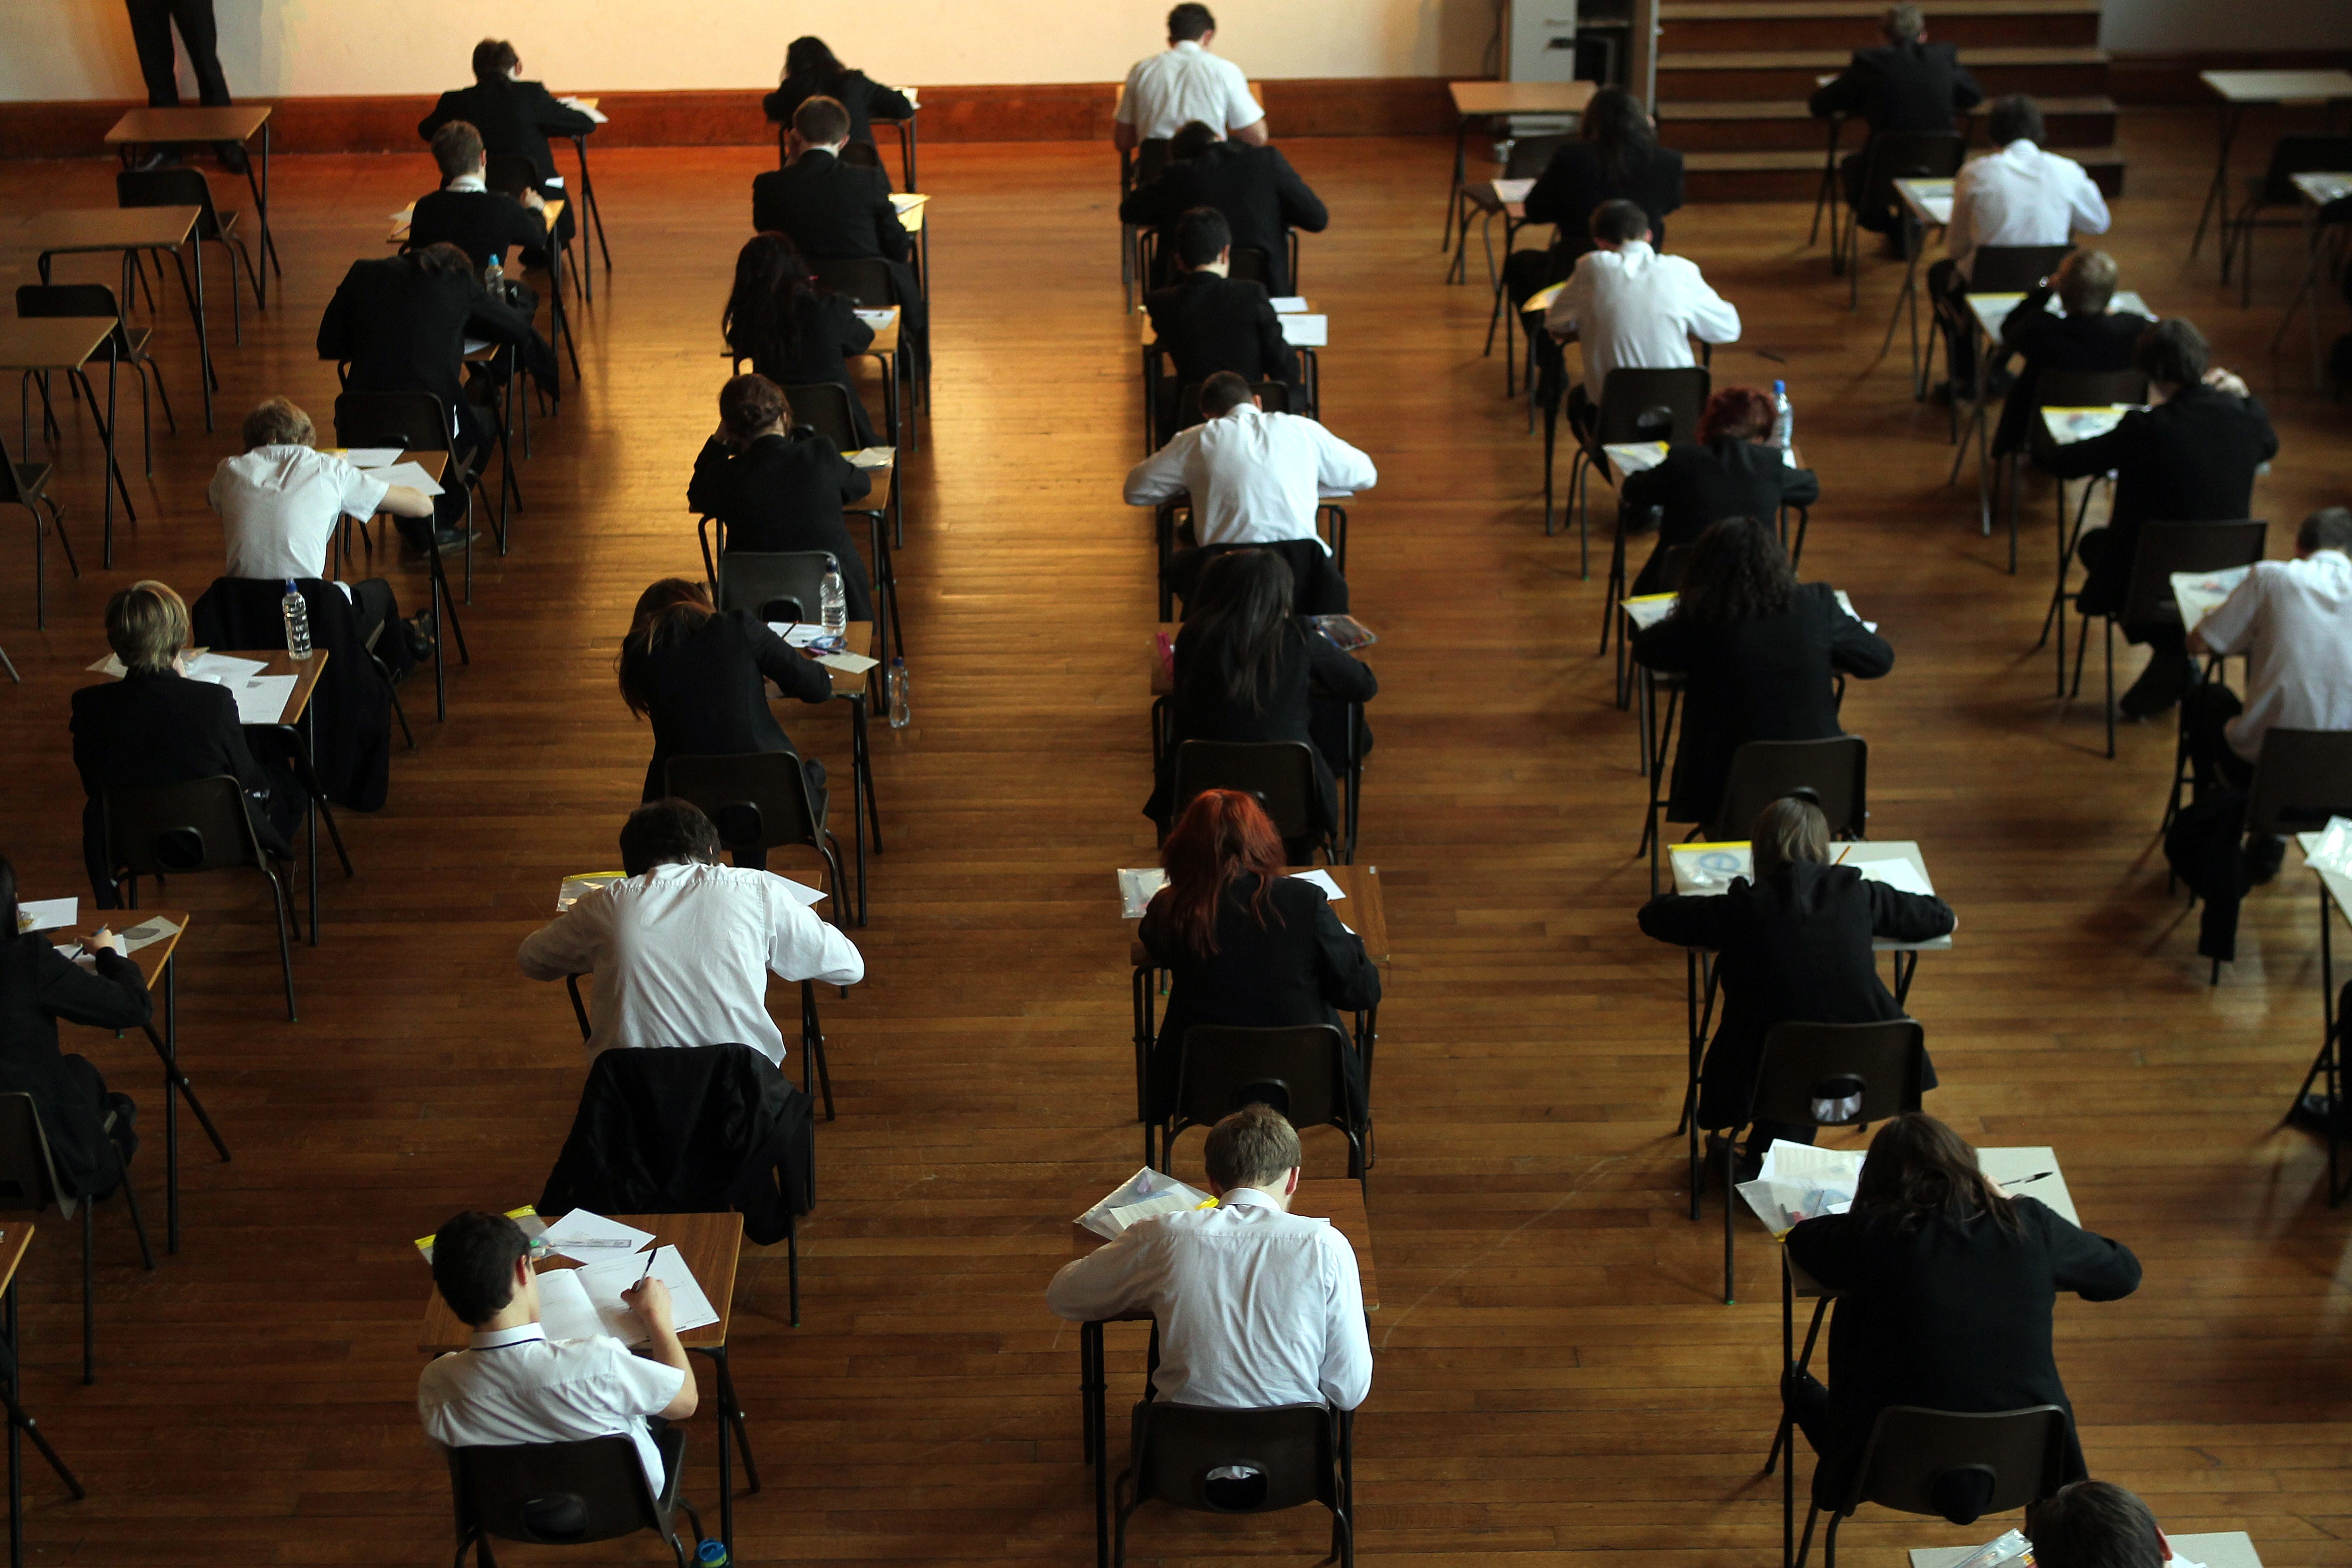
<point x="371" y="457"/>
<point x="1847" y="605"/>
<point x="592" y="1238"/>
<point x="1144" y="1188"/>
<point x="2199" y="594"/>
<point x="146" y="934"/>
<point x="798" y="634"/>
<point x="222" y="670"/>
<point x="590" y="110"/>
<point x="877" y="319"/>
<point x="1305" y="332"/>
<point x="1289" y="304"/>
<point x="1787" y="1161"/>
<point x="564" y="1310"/>
<point x="802" y="894"/>
<point x="1900" y="875"/>
<point x="1136" y="886"/>
<point x="574" y="888"/>
<point x="872" y="456"/>
<point x="1635" y="456"/>
<point x="848" y="663"/>
<point x="1321" y="878"/>
<point x="263" y="701"/>
<point x="904" y="202"/>
<point x="48" y="914"/>
<point x="1126" y="1214"/>
<point x="1513" y="190"/>
<point x="412" y="474"/>
<point x="690" y="1308"/>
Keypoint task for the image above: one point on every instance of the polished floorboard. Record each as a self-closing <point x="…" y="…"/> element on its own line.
<point x="1556" y="1371"/>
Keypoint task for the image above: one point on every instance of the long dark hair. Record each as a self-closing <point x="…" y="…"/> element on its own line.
<point x="810" y="70"/>
<point x="1737" y="571"/>
<point x="1919" y="1168"/>
<point x="1221" y="834"/>
<point x="763" y="309"/>
<point x="1239" y="612"/>
<point x="669" y="611"/>
<point x="1619" y="130"/>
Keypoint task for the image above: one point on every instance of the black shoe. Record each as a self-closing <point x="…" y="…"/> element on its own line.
<point x="232" y="157"/>
<point x="2261" y="858"/>
<point x="2158" y="690"/>
<point x="157" y="158"/>
<point x="420" y="632"/>
<point x="450" y="540"/>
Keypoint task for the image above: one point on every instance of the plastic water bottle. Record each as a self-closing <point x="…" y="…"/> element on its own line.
<point x="712" y="1555"/>
<point x="1784" y="418"/>
<point x="494" y="275"/>
<point x="900" y="709"/>
<point x="297" y="622"/>
<point x="833" y="606"/>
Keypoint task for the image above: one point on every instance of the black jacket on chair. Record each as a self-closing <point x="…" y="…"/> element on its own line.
<point x="1301" y="967"/>
<point x="706" y="694"/>
<point x="831" y="209"/>
<point x="827" y="331"/>
<point x="1900" y="87"/>
<point x="1207" y="323"/>
<point x="482" y="224"/>
<point x="1764" y="678"/>
<point x="2190" y="459"/>
<point x="405" y="329"/>
<point x="351" y="722"/>
<point x="1202" y="711"/>
<point x="2045" y="341"/>
<point x="785" y="492"/>
<point x="1577" y="182"/>
<point x="515" y="118"/>
<point x="866" y="99"/>
<point x="688" y="1129"/>
<point x="1698" y="484"/>
<point x="1794" y="949"/>
<point x="1260" y="194"/>
<point x="37" y="987"/>
<point x="1952" y="1316"/>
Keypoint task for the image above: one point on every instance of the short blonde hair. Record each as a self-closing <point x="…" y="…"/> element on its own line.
<point x="1254" y="1146"/>
<point x="147" y="625"/>
<point x="278" y="423"/>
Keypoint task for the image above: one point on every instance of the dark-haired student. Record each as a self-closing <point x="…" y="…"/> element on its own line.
<point x="1262" y="196"/>
<point x="812" y="71"/>
<point x="794" y="333"/>
<point x="2191" y="457"/>
<point x="1946" y="1286"/>
<point x="777" y="488"/>
<point x="2095" y="1524"/>
<point x="1244" y="946"/>
<point x="1208" y="321"/>
<point x="513" y="117"/>
<point x="1614" y="158"/>
<point x="839" y="211"/>
<point x="1906" y="84"/>
<point x="1729" y="469"/>
<point x="514" y="1385"/>
<point x="682" y="949"/>
<point x="1760" y="650"/>
<point x="481" y="222"/>
<point x="2087" y="335"/>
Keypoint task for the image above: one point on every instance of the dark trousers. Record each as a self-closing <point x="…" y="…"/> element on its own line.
<point x="2204" y="713"/>
<point x="376" y="611"/>
<point x="151" y="34"/>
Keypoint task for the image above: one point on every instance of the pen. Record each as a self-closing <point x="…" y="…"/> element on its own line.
<point x="2025" y="1181"/>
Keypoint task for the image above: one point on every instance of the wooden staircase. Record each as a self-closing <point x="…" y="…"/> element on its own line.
<point x="1734" y="75"/>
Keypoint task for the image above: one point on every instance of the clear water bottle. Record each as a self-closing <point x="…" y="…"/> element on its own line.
<point x="833" y="606"/>
<point x="901" y="710"/>
<point x="297" y="622"/>
<point x="494" y="275"/>
<point x="1784" y="418"/>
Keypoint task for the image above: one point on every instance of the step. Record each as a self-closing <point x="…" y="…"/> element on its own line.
<point x="1783" y="74"/>
<point x="1766" y="124"/>
<point x="1792" y="176"/>
<point x="1849" y="25"/>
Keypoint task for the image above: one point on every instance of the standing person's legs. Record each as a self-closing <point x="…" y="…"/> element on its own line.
<point x="151" y="34"/>
<point x="200" y="35"/>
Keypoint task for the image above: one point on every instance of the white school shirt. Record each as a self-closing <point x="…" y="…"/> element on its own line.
<point x="278" y="507"/>
<point x="681" y="955"/>
<point x="2293" y="620"/>
<point x="2022" y="195"/>
<point x="516" y="1385"/>
<point x="1255" y="1307"/>
<point x="1254" y="476"/>
<point x="1182" y="83"/>
<point x="1633" y="309"/>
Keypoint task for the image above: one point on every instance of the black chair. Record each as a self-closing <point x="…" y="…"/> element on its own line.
<point x="2274" y="188"/>
<point x="567" y="1494"/>
<point x="1955" y="1465"/>
<point x="179" y="829"/>
<point x="2066" y="389"/>
<point x="2166" y="548"/>
<point x="2302" y="778"/>
<point x="129" y="346"/>
<point x="420" y="422"/>
<point x="1146" y="163"/>
<point x="1821" y="1075"/>
<point x="772" y="585"/>
<point x="761" y="801"/>
<point x="28" y="1184"/>
<point x="1300" y="1071"/>
<point x="27" y="485"/>
<point x="868" y="284"/>
<point x="1635" y="406"/>
<point x="823" y="407"/>
<point x="1280" y="773"/>
<point x="187" y="187"/>
<point x="1836" y="769"/>
<point x="2014" y="268"/>
<point x="1211" y="1460"/>
<point x="1890" y="156"/>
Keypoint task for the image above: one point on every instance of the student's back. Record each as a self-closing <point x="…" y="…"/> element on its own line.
<point x="1914" y="87"/>
<point x="1700" y="483"/>
<point x="1209" y="323"/>
<point x="834" y="211"/>
<point x="515" y="119"/>
<point x="785" y="493"/>
<point x="1260" y="195"/>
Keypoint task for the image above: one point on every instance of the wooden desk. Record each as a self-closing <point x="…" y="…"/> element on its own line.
<point x="1479" y="100"/>
<point x="444" y="598"/>
<point x="74" y="231"/>
<point x="2235" y="92"/>
<point x="41" y="345"/>
<point x="235" y="122"/>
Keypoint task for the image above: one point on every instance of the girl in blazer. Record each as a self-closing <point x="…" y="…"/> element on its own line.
<point x="778" y="489"/>
<point x="1616" y="157"/>
<point x="1946" y="1285"/>
<point x="1759" y="651"/>
<point x="1727" y="471"/>
<point x="1245" y="945"/>
<point x="794" y="333"/>
<point x="812" y="71"/>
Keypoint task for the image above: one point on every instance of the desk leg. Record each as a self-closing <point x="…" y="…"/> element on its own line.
<point x="1453" y="193"/>
<point x="169" y="1045"/>
<point x="726" y="1459"/>
<point x="1907" y="965"/>
<point x="2216" y="209"/>
<point x="595" y="214"/>
<point x="1098" y="1417"/>
<point x="15" y="1442"/>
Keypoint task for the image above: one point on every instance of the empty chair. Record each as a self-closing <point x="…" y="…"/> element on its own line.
<point x="761" y="801"/>
<point x="1834" y="771"/>
<point x="1635" y="406"/>
<point x="129" y="344"/>
<point x="824" y="407"/>
<point x="1955" y="1466"/>
<point x="567" y="1494"/>
<point x="774" y="586"/>
<point x="2274" y="188"/>
<point x="1307" y="1071"/>
<point x="29" y="1184"/>
<point x="1212" y="1461"/>
<point x="187" y="187"/>
<point x="179" y="829"/>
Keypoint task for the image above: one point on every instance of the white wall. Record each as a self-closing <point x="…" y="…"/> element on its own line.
<point x="2173" y="26"/>
<point x="81" y="49"/>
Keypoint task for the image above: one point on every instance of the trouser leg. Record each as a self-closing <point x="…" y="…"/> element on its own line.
<point x="151" y="36"/>
<point x="200" y="35"/>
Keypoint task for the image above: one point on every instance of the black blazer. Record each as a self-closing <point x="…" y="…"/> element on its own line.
<point x="2188" y="459"/>
<point x="1698" y="484"/>
<point x="705" y="695"/>
<point x="828" y="333"/>
<point x="867" y="100"/>
<point x="1202" y="710"/>
<point x="37" y="987"/>
<point x="785" y="492"/>
<point x="1794" y="949"/>
<point x="350" y="715"/>
<point x="1576" y="181"/>
<point x="515" y="118"/>
<point x="1952" y="1316"/>
<point x="834" y="211"/>
<point x="1901" y="87"/>
<point x="1764" y="678"/>
<point x="1260" y="194"/>
<point x="2074" y="344"/>
<point x="405" y="329"/>
<point x="1300" y="967"/>
<point x="1209" y="323"/>
<point x="482" y="224"/>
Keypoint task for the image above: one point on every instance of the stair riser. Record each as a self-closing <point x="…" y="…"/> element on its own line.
<point x="2087" y="80"/>
<point x="2067" y="32"/>
<point x="1766" y="135"/>
<point x="1801" y="185"/>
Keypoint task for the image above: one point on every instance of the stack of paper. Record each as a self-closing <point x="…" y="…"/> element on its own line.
<point x="1140" y="1196"/>
<point x="1305" y="332"/>
<point x="586" y="1302"/>
<point x="1799" y="1182"/>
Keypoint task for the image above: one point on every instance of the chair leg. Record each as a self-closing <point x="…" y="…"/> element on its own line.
<point x="163" y="395"/>
<point x="285" y="947"/>
<point x="813" y="1046"/>
<point x="138" y="1224"/>
<point x="2109" y="624"/>
<point x="89" y="1298"/>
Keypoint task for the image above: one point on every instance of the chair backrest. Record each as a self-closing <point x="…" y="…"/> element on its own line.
<point x="1288" y="1454"/>
<point x="509" y="173"/>
<point x="1531" y="155"/>
<point x="1281" y="774"/>
<point x="756" y="800"/>
<point x="774" y="586"/>
<point x="1907" y="155"/>
<point x="28" y="1175"/>
<point x="2014" y="268"/>
<point x="413" y="421"/>
<point x="1841" y="1075"/>
<point x="2293" y="155"/>
<point x="2302" y="778"/>
<point x="1250" y="263"/>
<point x="169" y="829"/>
<point x="178" y="187"/>
<point x="1836" y="769"/>
<point x="39" y="299"/>
<point x="1961" y="1465"/>
<point x="2089" y="388"/>
<point x="1298" y="1070"/>
<point x="823" y="406"/>
<point x="863" y="280"/>
<point x="554" y="1494"/>
<point x="2166" y="548"/>
<point x="1630" y="400"/>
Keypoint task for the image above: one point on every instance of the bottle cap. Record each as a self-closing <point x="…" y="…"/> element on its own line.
<point x="290" y="587"/>
<point x="899" y="662"/>
<point x="710" y="1552"/>
<point x="1779" y="387"/>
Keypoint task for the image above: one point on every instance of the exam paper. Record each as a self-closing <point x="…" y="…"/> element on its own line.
<point x="848" y="663"/>
<point x="564" y="1310"/>
<point x="604" y="1282"/>
<point x="222" y="670"/>
<point x="1513" y="190"/>
<point x="590" y="110"/>
<point x="877" y="319"/>
<point x="1126" y="1214"/>
<point x="371" y="457"/>
<point x="1322" y="880"/>
<point x="2199" y="594"/>
<point x="1289" y="304"/>
<point x="263" y="701"/>
<point x="873" y="456"/>
<point x="802" y="894"/>
<point x="2333" y="852"/>
<point x="412" y="474"/>
<point x="1799" y="1182"/>
<point x="146" y="934"/>
<point x="1140" y="1191"/>
<point x="48" y="914"/>
<point x="1305" y="332"/>
<point x="591" y="1237"/>
<point x="1900" y="875"/>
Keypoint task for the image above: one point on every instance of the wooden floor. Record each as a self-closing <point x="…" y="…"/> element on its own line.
<point x="1555" y="1371"/>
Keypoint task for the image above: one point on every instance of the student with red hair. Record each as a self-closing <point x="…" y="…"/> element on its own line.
<point x="1730" y="470"/>
<point x="1245" y="945"/>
